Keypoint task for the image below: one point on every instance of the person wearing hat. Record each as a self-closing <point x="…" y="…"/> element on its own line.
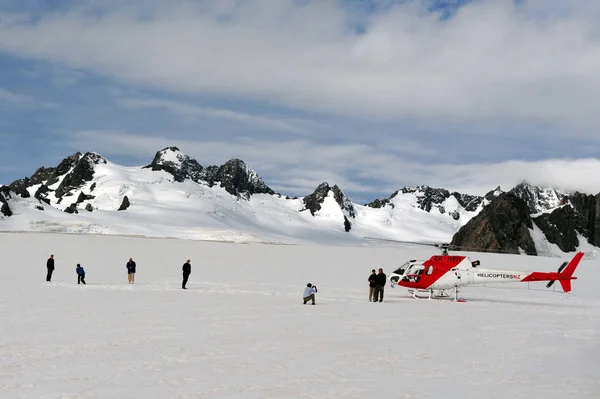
<point x="309" y="293"/>
<point x="372" y="284"/>
<point x="80" y="274"/>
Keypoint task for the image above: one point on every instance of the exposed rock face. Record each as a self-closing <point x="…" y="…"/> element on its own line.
<point x="560" y="228"/>
<point x="125" y="204"/>
<point x="19" y="187"/>
<point x="89" y="207"/>
<point x="173" y="161"/>
<point x="429" y="198"/>
<point x="234" y="176"/>
<point x="72" y="208"/>
<point x="84" y="197"/>
<point x="502" y="225"/>
<point x="537" y="198"/>
<point x="586" y="211"/>
<point x="4" y="197"/>
<point x="82" y="172"/>
<point x="314" y="201"/>
<point x="42" y="193"/>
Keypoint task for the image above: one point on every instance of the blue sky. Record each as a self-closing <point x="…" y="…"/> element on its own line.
<point x="370" y="95"/>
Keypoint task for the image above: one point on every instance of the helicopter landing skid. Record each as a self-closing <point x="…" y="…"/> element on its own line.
<point x="436" y="294"/>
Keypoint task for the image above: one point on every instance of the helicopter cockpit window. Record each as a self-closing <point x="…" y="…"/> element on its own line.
<point x="413" y="274"/>
<point x="429" y="270"/>
<point x="402" y="268"/>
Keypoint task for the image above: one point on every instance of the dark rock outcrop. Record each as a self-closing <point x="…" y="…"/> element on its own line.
<point x="125" y="204"/>
<point x="42" y="194"/>
<point x="502" y="225"/>
<point x="92" y="187"/>
<point x="72" y="208"/>
<point x="586" y="212"/>
<point x="560" y="228"/>
<point x="89" y="207"/>
<point x="19" y="187"/>
<point x="234" y="176"/>
<point x="4" y="197"/>
<point x="314" y="201"/>
<point x="429" y="198"/>
<point x="538" y="199"/>
<point x="82" y="172"/>
<point x="181" y="166"/>
<point x="84" y="197"/>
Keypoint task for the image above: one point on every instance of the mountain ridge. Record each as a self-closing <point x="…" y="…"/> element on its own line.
<point x="95" y="184"/>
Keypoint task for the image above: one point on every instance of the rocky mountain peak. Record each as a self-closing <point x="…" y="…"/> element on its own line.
<point x="314" y="201"/>
<point x="501" y="225"/>
<point x="4" y="197"/>
<point x="236" y="178"/>
<point x="176" y="163"/>
<point x="82" y="172"/>
<point x="539" y="199"/>
<point x="428" y="198"/>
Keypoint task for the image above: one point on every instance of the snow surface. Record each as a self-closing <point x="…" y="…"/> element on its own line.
<point x="241" y="331"/>
<point x="161" y="207"/>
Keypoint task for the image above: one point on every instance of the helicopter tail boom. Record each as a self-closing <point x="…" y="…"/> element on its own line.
<point x="564" y="274"/>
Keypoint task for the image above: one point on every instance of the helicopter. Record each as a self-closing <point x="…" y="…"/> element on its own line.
<point x="442" y="276"/>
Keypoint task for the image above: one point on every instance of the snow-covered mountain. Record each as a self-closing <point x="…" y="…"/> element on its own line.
<point x="175" y="196"/>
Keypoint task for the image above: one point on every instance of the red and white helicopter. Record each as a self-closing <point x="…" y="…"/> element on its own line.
<point x="443" y="275"/>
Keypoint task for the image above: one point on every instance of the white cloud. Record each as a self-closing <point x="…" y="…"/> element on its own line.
<point x="535" y="61"/>
<point x="297" y="167"/>
<point x="15" y="99"/>
<point x="22" y="100"/>
<point x="189" y="110"/>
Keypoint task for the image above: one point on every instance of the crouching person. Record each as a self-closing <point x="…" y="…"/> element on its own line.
<point x="309" y="293"/>
<point x="80" y="274"/>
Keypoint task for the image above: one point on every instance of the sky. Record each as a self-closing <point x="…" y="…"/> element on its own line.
<point x="371" y="95"/>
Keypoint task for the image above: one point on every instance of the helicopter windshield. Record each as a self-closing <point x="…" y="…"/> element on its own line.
<point x="402" y="268"/>
<point x="414" y="272"/>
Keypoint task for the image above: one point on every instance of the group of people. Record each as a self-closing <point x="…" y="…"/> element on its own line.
<point x="131" y="268"/>
<point x="377" y="285"/>
<point x="376" y="280"/>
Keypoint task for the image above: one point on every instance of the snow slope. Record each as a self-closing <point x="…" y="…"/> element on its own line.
<point x="162" y="207"/>
<point x="241" y="331"/>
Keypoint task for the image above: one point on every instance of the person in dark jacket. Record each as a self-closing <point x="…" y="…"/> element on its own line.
<point x="372" y="279"/>
<point x="80" y="274"/>
<point x="380" y="280"/>
<point x="130" y="271"/>
<point x="187" y="270"/>
<point x="50" y="267"/>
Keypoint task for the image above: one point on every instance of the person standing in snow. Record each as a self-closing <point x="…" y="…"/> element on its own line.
<point x="80" y="274"/>
<point x="372" y="283"/>
<point x="309" y="293"/>
<point x="380" y="280"/>
<point x="130" y="271"/>
<point x="50" y="267"/>
<point x="187" y="270"/>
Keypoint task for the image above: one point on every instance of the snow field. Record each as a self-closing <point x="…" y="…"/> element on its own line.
<point x="241" y="331"/>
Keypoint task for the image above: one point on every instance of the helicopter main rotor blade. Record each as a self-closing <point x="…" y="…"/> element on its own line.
<point x="430" y="244"/>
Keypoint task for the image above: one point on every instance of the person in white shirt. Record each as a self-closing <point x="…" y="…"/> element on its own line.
<point x="309" y="293"/>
